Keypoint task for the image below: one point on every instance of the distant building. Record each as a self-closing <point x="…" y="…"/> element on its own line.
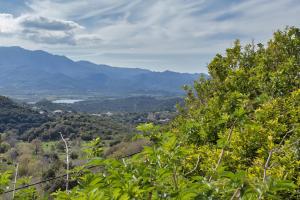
<point x="42" y="112"/>
<point x="151" y="116"/>
<point x="109" y="114"/>
<point x="34" y="108"/>
<point x="98" y="115"/>
<point x="57" y="112"/>
<point x="164" y="120"/>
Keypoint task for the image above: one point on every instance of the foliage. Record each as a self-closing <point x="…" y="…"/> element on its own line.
<point x="75" y="125"/>
<point x="4" y="180"/>
<point x="27" y="193"/>
<point x="94" y="148"/>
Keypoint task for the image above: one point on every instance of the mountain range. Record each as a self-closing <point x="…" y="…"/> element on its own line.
<point x="26" y="72"/>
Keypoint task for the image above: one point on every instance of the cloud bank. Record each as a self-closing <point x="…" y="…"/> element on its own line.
<point x="39" y="29"/>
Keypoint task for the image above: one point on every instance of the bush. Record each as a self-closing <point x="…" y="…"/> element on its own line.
<point x="4" y="147"/>
<point x="50" y="173"/>
<point x="74" y="155"/>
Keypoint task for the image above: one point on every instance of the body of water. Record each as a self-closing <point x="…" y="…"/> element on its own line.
<point x="67" y="101"/>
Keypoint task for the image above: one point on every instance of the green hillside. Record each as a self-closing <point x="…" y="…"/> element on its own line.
<point x="16" y="118"/>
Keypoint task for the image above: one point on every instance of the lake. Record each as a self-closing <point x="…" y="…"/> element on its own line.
<point x="67" y="101"/>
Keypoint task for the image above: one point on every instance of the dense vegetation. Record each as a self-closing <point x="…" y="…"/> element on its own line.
<point x="14" y="117"/>
<point x="82" y="126"/>
<point x="21" y="122"/>
<point x="138" y="104"/>
<point x="236" y="137"/>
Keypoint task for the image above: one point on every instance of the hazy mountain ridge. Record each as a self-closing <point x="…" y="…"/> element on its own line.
<point x="38" y="72"/>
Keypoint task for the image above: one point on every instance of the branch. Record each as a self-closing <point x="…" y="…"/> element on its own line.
<point x="267" y="164"/>
<point x="287" y="146"/>
<point x="15" y="181"/>
<point x="175" y="179"/>
<point x="67" y="154"/>
<point x="195" y="168"/>
<point x="266" y="167"/>
<point x="150" y="196"/>
<point x="223" y="149"/>
<point x="282" y="140"/>
<point x="235" y="193"/>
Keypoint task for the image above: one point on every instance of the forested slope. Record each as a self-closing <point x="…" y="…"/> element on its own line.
<point x="18" y="118"/>
<point x="138" y="104"/>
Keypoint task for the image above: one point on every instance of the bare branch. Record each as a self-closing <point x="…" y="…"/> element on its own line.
<point x="67" y="155"/>
<point x="15" y="181"/>
<point x="235" y="194"/>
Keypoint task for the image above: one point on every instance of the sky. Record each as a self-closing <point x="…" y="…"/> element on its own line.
<point x="177" y="35"/>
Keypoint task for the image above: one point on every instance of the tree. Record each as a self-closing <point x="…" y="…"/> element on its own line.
<point x="37" y="145"/>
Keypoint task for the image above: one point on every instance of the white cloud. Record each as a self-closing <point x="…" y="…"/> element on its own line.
<point x="52" y="31"/>
<point x="39" y="29"/>
<point x="7" y="23"/>
<point x="39" y="22"/>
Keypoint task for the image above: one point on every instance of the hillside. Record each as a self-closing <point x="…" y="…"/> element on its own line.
<point x="131" y="104"/>
<point x="25" y="72"/>
<point x="25" y="123"/>
<point x="18" y="118"/>
<point x="137" y="104"/>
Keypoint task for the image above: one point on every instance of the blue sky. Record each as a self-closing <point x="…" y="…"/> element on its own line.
<point x="178" y="35"/>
